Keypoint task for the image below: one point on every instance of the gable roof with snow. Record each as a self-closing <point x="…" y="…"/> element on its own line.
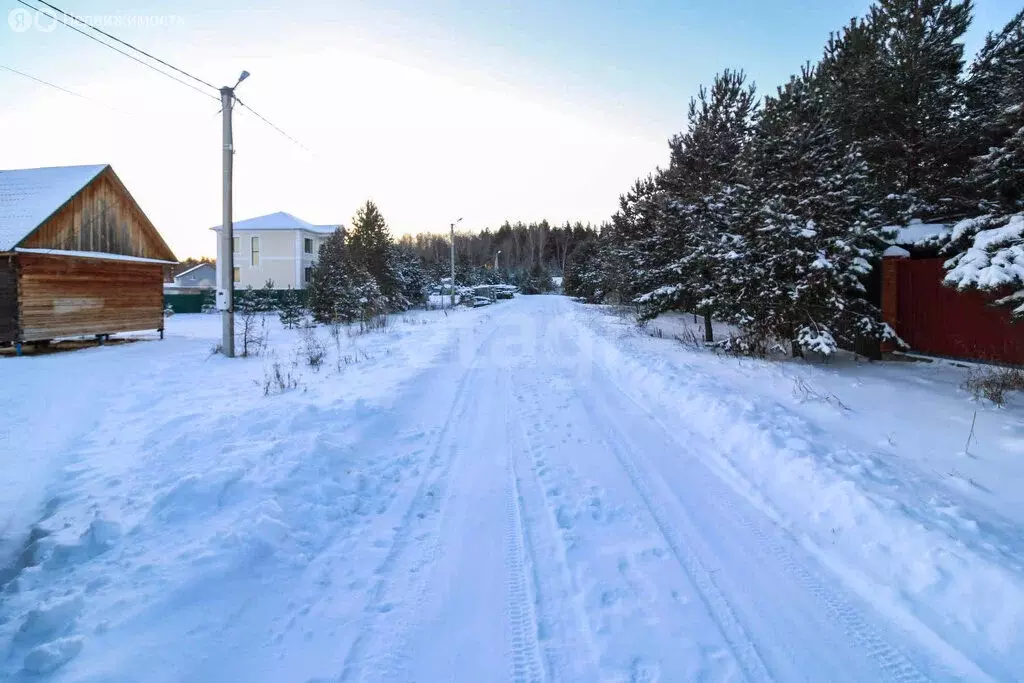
<point x="280" y="220"/>
<point x="29" y="196"/>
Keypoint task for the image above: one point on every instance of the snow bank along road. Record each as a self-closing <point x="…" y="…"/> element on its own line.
<point x="522" y="504"/>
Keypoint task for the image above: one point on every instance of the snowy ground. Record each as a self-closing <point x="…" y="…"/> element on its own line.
<point x="535" y="490"/>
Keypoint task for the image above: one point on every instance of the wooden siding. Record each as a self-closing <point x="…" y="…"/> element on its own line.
<point x="102" y="217"/>
<point x="8" y="298"/>
<point x="62" y="296"/>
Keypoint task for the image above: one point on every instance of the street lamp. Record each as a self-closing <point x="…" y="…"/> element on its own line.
<point x="496" y="260"/>
<point x="453" y="261"/>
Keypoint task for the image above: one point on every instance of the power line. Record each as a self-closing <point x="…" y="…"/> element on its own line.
<point x="92" y="37"/>
<point x="129" y="45"/>
<point x="116" y="49"/>
<point x="63" y="89"/>
<point x="52" y="85"/>
<point x="264" y="119"/>
<point x="157" y="59"/>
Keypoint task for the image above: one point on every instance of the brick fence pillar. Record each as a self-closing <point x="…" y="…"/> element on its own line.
<point x="891" y="260"/>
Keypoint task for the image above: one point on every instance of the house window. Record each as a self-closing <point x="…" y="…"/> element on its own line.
<point x="255" y="251"/>
<point x="236" y="274"/>
<point x="308" y="275"/>
<point x="307" y="245"/>
<point x="236" y="244"/>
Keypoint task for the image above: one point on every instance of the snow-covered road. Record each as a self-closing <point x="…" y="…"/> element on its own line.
<point x="502" y="510"/>
<point x="564" y="533"/>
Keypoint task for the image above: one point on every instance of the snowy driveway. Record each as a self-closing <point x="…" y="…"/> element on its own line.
<point x="480" y="502"/>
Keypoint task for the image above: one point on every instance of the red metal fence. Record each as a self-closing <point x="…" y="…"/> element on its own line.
<point x="939" y="320"/>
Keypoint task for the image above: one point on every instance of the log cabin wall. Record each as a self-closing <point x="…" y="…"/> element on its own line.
<point x="8" y="298"/>
<point x="63" y="296"/>
<point x="101" y="218"/>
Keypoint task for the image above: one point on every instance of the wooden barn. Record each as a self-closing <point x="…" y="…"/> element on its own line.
<point x="77" y="256"/>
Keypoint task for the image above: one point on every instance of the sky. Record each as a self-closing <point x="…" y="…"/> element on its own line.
<point x="486" y="110"/>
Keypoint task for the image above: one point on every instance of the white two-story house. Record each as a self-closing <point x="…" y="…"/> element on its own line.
<point x="277" y="247"/>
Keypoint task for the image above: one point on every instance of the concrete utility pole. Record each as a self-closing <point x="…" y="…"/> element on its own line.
<point x="453" y="261"/>
<point x="226" y="264"/>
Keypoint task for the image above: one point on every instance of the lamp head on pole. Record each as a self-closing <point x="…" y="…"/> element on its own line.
<point x="244" y="75"/>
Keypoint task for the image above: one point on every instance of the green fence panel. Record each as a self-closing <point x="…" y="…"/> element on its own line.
<point x="193" y="303"/>
<point x="185" y="303"/>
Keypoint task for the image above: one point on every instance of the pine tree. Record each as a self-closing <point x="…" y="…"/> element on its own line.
<point x="895" y="83"/>
<point x="370" y="246"/>
<point x="987" y="251"/>
<point x="582" y="277"/>
<point x="699" y="203"/>
<point x="630" y="262"/>
<point x="995" y="96"/>
<point x="812" y="230"/>
<point x="579" y="260"/>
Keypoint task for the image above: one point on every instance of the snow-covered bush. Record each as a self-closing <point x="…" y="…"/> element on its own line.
<point x="993" y="383"/>
<point x="311" y="349"/>
<point x="251" y="331"/>
<point x="277" y="380"/>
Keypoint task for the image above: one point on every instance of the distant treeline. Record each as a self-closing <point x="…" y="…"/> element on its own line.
<point x="524" y="248"/>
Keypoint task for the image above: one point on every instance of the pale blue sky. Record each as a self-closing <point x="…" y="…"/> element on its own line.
<point x="435" y="108"/>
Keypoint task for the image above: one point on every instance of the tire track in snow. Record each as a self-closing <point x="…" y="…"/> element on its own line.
<point x="733" y="631"/>
<point x="432" y="491"/>
<point x="890" y="660"/>
<point x="568" y="649"/>
<point x="525" y="661"/>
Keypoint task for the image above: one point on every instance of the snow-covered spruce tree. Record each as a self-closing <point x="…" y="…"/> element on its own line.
<point x="370" y="245"/>
<point x="537" y="280"/>
<point x="699" y="205"/>
<point x="411" y="277"/>
<point x="290" y="310"/>
<point x="897" y="77"/>
<point x="342" y="290"/>
<point x="987" y="251"/>
<point x="364" y="301"/>
<point x="582" y="274"/>
<point x="265" y="299"/>
<point x="328" y="277"/>
<point x="811" y="231"/>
